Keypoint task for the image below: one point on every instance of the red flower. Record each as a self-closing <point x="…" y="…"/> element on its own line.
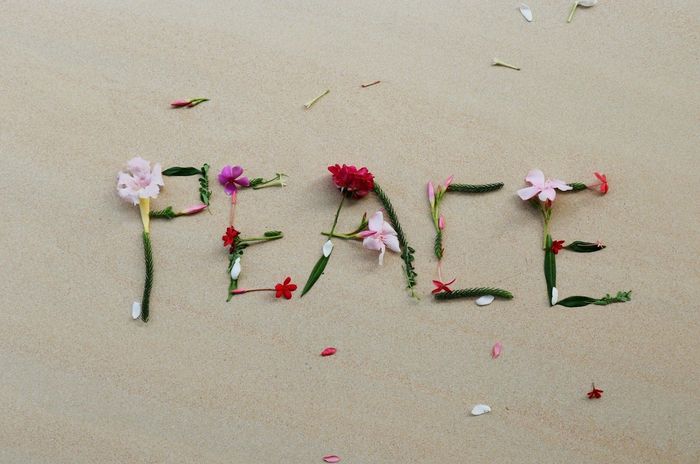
<point x="353" y="182"/>
<point x="603" y="186"/>
<point x="285" y="289"/>
<point x="557" y="245"/>
<point x="442" y="287"/>
<point x="230" y="236"/>
<point x="595" y="393"/>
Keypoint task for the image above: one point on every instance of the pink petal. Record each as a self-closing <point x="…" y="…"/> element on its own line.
<point x="528" y="192"/>
<point x="449" y="181"/>
<point x="535" y="177"/>
<point x="366" y="233"/>
<point x="560" y="184"/>
<point x="331" y="458"/>
<point x="330" y="351"/>
<point x="376" y="222"/>
<point x="372" y="243"/>
<point x="496" y="350"/>
<point x="431" y="193"/>
<point x="392" y="243"/>
<point x="179" y="103"/>
<point x="547" y="194"/>
<point x="441" y="222"/>
<point x="387" y="229"/>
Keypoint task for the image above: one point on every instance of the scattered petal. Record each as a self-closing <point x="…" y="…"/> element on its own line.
<point x="327" y="248"/>
<point x="135" y="310"/>
<point x="526" y="12"/>
<point x="496" y="350"/>
<point x="485" y="300"/>
<point x="555" y="295"/>
<point x="330" y="351"/>
<point x="331" y="458"/>
<point x="480" y="409"/>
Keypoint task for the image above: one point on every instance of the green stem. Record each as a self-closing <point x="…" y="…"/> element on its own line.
<point x="571" y="14"/>
<point x="337" y="213"/>
<point x="343" y="236"/>
<point x="260" y="239"/>
<point x="148" y="258"/>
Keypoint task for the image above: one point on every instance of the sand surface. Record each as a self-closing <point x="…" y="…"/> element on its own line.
<point x="85" y="86"/>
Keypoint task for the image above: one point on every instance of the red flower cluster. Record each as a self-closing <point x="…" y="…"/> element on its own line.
<point x="285" y="289"/>
<point x="230" y="236"/>
<point x="355" y="183"/>
<point x="557" y="245"/>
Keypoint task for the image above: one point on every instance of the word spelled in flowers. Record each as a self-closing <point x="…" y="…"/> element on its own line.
<point x="542" y="194"/>
<point x="442" y="291"/>
<point x="233" y="180"/>
<point x="376" y="233"/>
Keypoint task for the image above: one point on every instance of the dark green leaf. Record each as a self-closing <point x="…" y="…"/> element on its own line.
<point x="477" y="188"/>
<point x="550" y="267"/>
<point x="316" y="272"/>
<point x="474" y="292"/>
<point x="179" y="171"/>
<point x="273" y="233"/>
<point x="577" y="301"/>
<point x="583" y="247"/>
<point x="576" y="186"/>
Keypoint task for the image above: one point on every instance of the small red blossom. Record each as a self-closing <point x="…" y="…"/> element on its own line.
<point x="353" y="182"/>
<point x="230" y="236"/>
<point x="595" y="393"/>
<point x="442" y="287"/>
<point x="557" y="245"/>
<point x="603" y="185"/>
<point x="285" y="289"/>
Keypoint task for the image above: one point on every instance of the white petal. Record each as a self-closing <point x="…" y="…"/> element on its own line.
<point x="327" y="248"/>
<point x="480" y="409"/>
<point x="587" y="3"/>
<point x="526" y="12"/>
<point x="555" y="295"/>
<point x="135" y="310"/>
<point x="485" y="300"/>
<point x="236" y="269"/>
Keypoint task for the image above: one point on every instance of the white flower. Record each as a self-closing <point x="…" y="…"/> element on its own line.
<point x="136" y="310"/>
<point x="327" y="248"/>
<point x="236" y="269"/>
<point x="139" y="181"/>
<point x="480" y="409"/>
<point x="485" y="300"/>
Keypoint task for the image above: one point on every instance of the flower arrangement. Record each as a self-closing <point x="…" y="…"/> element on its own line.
<point x="233" y="180"/>
<point x="442" y="290"/>
<point x="376" y="233"/>
<point x="137" y="185"/>
<point x="542" y="194"/>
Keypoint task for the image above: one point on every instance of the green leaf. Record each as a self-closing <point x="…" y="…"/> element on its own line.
<point x="179" y="171"/>
<point x="256" y="181"/>
<point x="316" y="272"/>
<point x="550" y="267"/>
<point x="166" y="213"/>
<point x="577" y="301"/>
<point x="577" y="186"/>
<point x="437" y="248"/>
<point x="273" y="233"/>
<point x="477" y="188"/>
<point x="583" y="247"/>
<point x="474" y="292"/>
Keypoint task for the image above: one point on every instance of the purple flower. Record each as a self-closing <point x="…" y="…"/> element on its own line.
<point x="230" y="178"/>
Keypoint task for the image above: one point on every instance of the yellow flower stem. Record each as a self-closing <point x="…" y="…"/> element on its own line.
<point x="145" y="207"/>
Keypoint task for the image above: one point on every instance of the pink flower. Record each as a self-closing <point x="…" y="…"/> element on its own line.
<point x="179" y="103"/>
<point x="380" y="236"/>
<point x="230" y="178"/>
<point x="139" y="181"/>
<point x="194" y="209"/>
<point x="431" y="193"/>
<point x="544" y="189"/>
<point x="441" y="222"/>
<point x="448" y="181"/>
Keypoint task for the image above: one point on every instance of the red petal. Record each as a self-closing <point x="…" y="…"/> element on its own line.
<point x="330" y="351"/>
<point x="332" y="458"/>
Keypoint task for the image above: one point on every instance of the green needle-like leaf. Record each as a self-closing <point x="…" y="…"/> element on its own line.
<point x="474" y="292"/>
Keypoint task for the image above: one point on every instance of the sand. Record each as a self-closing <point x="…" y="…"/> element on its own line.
<point x="86" y="86"/>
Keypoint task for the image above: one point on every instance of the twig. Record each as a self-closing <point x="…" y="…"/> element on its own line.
<point x="311" y="103"/>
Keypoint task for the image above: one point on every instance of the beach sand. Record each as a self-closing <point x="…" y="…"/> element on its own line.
<point x="86" y="86"/>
